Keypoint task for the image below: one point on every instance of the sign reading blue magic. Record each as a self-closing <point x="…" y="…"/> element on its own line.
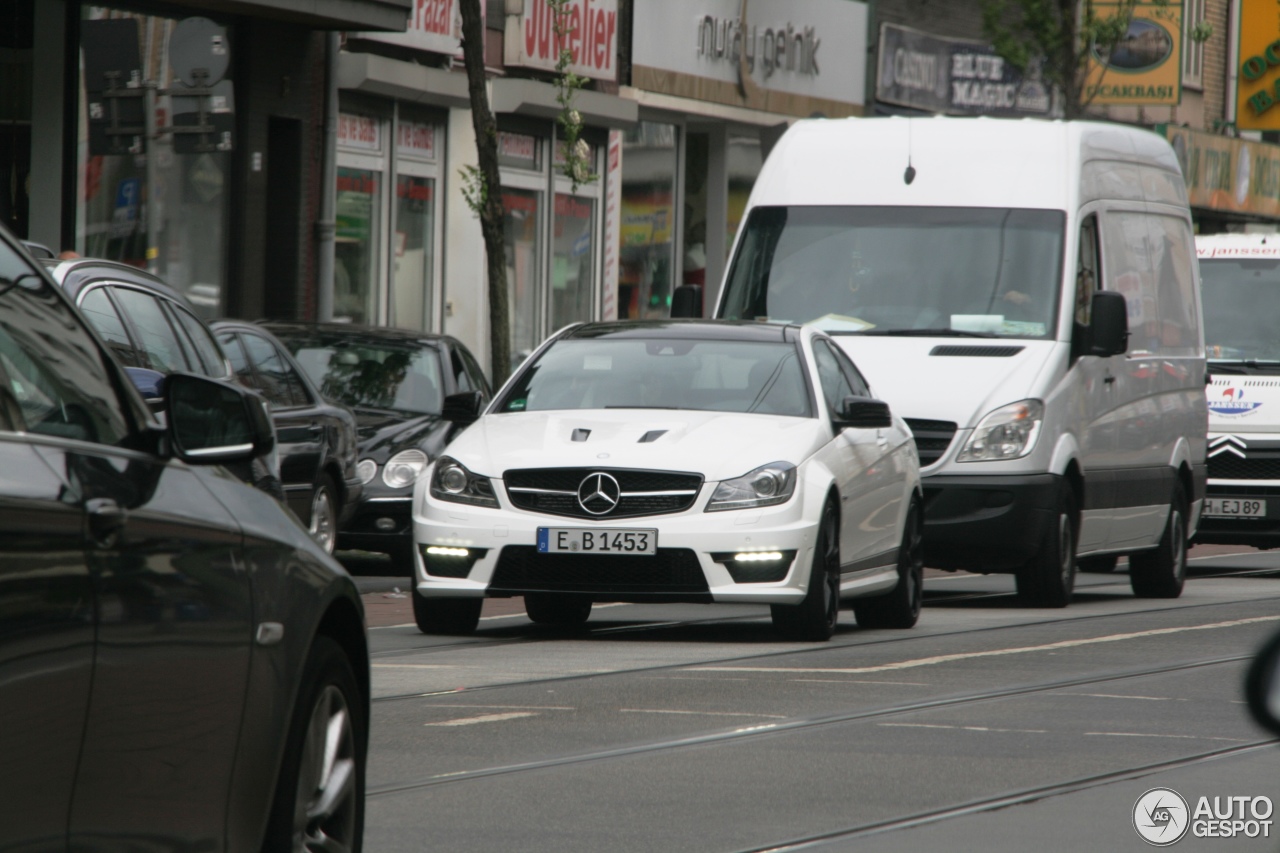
<point x="953" y="76"/>
<point x="776" y="48"/>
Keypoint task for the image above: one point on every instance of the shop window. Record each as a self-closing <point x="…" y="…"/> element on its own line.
<point x="413" y="252"/>
<point x="521" y="223"/>
<point x="647" y="253"/>
<point x="572" y="264"/>
<point x="355" y="268"/>
<point x="745" y="161"/>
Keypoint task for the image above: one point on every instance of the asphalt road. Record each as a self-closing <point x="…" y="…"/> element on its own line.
<point x="692" y="728"/>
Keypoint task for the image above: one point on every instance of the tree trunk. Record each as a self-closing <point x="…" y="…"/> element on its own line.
<point x="490" y="194"/>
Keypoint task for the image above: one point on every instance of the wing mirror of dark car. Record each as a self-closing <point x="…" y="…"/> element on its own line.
<point x="211" y="422"/>
<point x="686" y="301"/>
<point x="1109" y="324"/>
<point x="864" y="413"/>
<point x="1262" y="686"/>
<point x="150" y="383"/>
<point x="463" y="408"/>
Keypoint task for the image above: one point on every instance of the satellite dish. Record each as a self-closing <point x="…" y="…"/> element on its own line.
<point x="198" y="44"/>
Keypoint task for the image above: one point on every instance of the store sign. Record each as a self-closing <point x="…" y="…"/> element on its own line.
<point x="416" y="140"/>
<point x="361" y="132"/>
<point x="1231" y="175"/>
<point x="1144" y="66"/>
<point x="590" y="35"/>
<point x="953" y="76"/>
<point x="1258" y="74"/>
<point x="434" y="25"/>
<point x="797" y="57"/>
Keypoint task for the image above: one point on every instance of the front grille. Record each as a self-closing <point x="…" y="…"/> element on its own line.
<point x="932" y="438"/>
<point x="1228" y="466"/>
<point x="670" y="572"/>
<point x="555" y="491"/>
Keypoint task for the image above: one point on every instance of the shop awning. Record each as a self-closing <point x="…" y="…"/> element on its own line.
<point x="390" y="15"/>
<point x="406" y="81"/>
<point x="534" y="98"/>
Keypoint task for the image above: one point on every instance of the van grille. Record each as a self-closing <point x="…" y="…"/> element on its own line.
<point x="932" y="438"/>
<point x="1228" y="466"/>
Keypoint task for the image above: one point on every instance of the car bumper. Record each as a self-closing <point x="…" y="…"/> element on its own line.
<point x="1260" y="532"/>
<point x="987" y="523"/>
<point x="693" y="562"/>
<point x="382" y="524"/>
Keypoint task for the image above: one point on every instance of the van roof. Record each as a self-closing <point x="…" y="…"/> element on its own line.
<point x="967" y="162"/>
<point x="1238" y="246"/>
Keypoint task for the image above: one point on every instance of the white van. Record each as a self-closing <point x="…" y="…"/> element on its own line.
<point x="980" y="271"/>
<point x="1241" y="275"/>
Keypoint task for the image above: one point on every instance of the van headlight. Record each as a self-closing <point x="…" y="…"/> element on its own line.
<point x="767" y="485"/>
<point x="1007" y="433"/>
<point x="403" y="468"/>
<point x="452" y="482"/>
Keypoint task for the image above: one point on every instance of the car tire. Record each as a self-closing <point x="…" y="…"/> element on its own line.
<point x="1098" y="565"/>
<point x="814" y="619"/>
<point x="1160" y="572"/>
<point x="319" y="797"/>
<point x="899" y="608"/>
<point x="553" y="609"/>
<point x="1048" y="578"/>
<point x="322" y="522"/>
<point x="446" y="615"/>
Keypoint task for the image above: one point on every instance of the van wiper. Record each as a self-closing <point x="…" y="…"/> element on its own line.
<point x="1241" y="365"/>
<point x="919" y="333"/>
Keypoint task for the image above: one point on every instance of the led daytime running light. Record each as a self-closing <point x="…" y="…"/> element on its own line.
<point x="442" y="551"/>
<point x="757" y="557"/>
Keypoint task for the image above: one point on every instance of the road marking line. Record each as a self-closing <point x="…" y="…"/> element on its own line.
<point x="700" y="713"/>
<point x="962" y="728"/>
<point x="413" y="666"/>
<point x="858" y="681"/>
<point x="516" y="707"/>
<point x="1179" y="737"/>
<point x="1123" y="696"/>
<point x="486" y="718"/>
<point x="937" y="659"/>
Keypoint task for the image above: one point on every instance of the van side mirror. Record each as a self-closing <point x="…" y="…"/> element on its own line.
<point x="686" y="301"/>
<point x="211" y="422"/>
<point x="1262" y="686"/>
<point x="463" y="409"/>
<point x="864" y="413"/>
<point x="1109" y="326"/>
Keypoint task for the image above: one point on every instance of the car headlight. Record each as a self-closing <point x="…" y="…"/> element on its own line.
<point x="404" y="468"/>
<point x="366" y="470"/>
<point x="1007" y="433"/>
<point x="451" y="481"/>
<point x="767" y="485"/>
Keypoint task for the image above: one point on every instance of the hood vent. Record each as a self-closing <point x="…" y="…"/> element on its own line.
<point x="580" y="435"/>
<point x="976" y="351"/>
<point x="652" y="435"/>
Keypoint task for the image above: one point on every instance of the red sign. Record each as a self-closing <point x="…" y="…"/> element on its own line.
<point x="417" y="139"/>
<point x="591" y="36"/>
<point x="357" y="131"/>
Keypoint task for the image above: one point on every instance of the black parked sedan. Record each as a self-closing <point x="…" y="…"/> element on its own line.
<point x="181" y="666"/>
<point x="316" y="438"/>
<point x="396" y="382"/>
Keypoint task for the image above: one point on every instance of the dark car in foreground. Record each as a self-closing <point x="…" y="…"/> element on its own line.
<point x="181" y="666"/>
<point x="396" y="382"/>
<point x="316" y="439"/>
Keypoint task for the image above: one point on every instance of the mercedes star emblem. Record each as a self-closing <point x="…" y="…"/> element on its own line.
<point x="598" y="493"/>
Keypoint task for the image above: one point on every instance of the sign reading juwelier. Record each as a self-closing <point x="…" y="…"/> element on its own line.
<point x="590" y="35"/>
<point x="1144" y="66"/>
<point x="1258" y="74"/>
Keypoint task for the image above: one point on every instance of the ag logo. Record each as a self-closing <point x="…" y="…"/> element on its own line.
<point x="1161" y="816"/>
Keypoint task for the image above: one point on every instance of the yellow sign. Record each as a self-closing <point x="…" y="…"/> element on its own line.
<point x="1258" y="72"/>
<point x="1233" y="175"/>
<point x="1144" y="66"/>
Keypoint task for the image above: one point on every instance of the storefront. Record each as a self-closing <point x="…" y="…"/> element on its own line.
<point x="1232" y="184"/>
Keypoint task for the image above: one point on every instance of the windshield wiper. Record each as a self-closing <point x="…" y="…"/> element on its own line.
<point x="919" y="333"/>
<point x="1242" y="365"/>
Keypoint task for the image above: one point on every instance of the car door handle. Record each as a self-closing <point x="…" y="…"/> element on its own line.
<point x="106" y="521"/>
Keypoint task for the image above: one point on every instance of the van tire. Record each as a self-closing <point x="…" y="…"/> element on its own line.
<point x="1048" y="578"/>
<point x="1160" y="572"/>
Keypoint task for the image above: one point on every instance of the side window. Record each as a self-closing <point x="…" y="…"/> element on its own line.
<point x="852" y="373"/>
<point x="835" y="385"/>
<point x="56" y="382"/>
<point x="201" y="341"/>
<point x="279" y="382"/>
<point x="460" y="377"/>
<point x="477" y="375"/>
<point x="101" y="314"/>
<point x="1088" y="280"/>
<point x="157" y="336"/>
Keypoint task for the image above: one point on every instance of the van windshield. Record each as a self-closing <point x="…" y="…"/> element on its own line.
<point x="1241" y="309"/>
<point x="981" y="272"/>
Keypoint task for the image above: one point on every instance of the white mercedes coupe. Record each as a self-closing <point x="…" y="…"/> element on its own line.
<point x="674" y="461"/>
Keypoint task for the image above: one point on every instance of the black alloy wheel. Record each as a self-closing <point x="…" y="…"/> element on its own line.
<point x="900" y="608"/>
<point x="815" y="618"/>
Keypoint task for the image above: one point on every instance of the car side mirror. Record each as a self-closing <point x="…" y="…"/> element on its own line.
<point x="150" y="383"/>
<point x="211" y="422"/>
<point x="864" y="413"/>
<point x="1262" y="686"/>
<point x="1109" y="324"/>
<point x="686" y="301"/>
<point x="463" y="409"/>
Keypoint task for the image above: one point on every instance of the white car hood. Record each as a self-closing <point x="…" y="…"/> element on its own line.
<point x="718" y="445"/>
<point x="962" y="388"/>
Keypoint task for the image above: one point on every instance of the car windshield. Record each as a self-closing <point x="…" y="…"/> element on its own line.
<point x="373" y="376"/>
<point x="629" y="373"/>
<point x="984" y="272"/>
<point x="1241" y="309"/>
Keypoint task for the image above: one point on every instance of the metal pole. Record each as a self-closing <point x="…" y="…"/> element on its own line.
<point x="326" y="225"/>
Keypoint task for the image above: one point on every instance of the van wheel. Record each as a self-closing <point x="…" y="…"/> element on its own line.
<point x="552" y="609"/>
<point x="899" y="608"/>
<point x="446" y="615"/>
<point x="1100" y="565"/>
<point x="1049" y="577"/>
<point x="1159" y="573"/>
<point x="814" y="619"/>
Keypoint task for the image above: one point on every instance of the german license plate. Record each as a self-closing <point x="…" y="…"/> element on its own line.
<point x="596" y="540"/>
<point x="1235" y="507"/>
